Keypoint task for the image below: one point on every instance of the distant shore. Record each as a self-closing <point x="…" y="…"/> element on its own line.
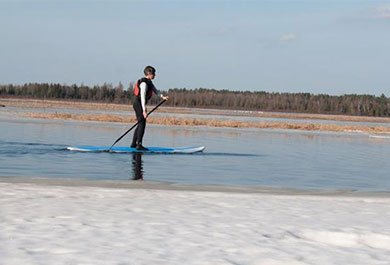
<point x="323" y="125"/>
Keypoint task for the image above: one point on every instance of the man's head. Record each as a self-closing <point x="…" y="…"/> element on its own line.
<point x="150" y="72"/>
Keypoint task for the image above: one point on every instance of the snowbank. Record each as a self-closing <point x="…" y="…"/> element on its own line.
<point x="42" y="224"/>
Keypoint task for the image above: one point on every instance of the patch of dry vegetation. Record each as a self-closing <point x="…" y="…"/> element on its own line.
<point x="216" y="123"/>
<point x="39" y="103"/>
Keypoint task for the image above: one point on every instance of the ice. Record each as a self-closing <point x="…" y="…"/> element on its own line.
<point x="42" y="224"/>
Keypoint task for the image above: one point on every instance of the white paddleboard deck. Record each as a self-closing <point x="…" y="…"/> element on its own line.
<point x="125" y="149"/>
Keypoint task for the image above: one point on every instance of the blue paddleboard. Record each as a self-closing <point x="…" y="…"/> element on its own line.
<point x="125" y="149"/>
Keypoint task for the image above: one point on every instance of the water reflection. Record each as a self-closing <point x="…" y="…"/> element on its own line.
<point x="138" y="170"/>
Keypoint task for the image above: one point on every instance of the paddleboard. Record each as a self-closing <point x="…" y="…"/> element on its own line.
<point x="125" y="149"/>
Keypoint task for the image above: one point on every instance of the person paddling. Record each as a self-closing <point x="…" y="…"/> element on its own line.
<point x="143" y="91"/>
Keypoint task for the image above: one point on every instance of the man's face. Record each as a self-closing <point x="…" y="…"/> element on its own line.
<point x="150" y="76"/>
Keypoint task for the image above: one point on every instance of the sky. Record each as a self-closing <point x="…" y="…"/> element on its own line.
<point x="328" y="47"/>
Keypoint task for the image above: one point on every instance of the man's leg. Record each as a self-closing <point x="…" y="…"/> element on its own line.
<point x="138" y="113"/>
<point x="141" y="131"/>
<point x="134" y="142"/>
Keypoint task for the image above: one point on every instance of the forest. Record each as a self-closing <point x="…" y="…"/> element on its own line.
<point x="349" y="104"/>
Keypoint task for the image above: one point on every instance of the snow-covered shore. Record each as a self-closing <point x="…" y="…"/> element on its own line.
<point x="46" y="224"/>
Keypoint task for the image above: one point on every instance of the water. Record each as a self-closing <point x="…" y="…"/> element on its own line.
<point x="286" y="159"/>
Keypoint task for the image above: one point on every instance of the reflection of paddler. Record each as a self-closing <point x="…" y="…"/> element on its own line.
<point x="143" y="91"/>
<point x="138" y="172"/>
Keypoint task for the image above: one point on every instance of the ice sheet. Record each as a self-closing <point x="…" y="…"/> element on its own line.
<point x="42" y="224"/>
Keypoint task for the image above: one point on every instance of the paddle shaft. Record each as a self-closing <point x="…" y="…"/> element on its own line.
<point x="132" y="127"/>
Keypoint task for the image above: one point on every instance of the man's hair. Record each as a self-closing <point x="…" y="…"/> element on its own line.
<point x="149" y="70"/>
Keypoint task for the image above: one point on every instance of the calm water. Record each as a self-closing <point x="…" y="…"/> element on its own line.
<point x="37" y="148"/>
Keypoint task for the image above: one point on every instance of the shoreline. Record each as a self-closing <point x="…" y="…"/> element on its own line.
<point x="169" y="121"/>
<point x="165" y="186"/>
<point x="56" y="103"/>
<point x="291" y="124"/>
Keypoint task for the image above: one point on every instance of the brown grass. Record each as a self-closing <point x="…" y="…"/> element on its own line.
<point x="215" y="123"/>
<point x="39" y="103"/>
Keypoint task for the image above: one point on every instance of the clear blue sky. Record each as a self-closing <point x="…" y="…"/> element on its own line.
<point x="331" y="47"/>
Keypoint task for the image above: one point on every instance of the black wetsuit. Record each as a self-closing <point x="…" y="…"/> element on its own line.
<point x="140" y="130"/>
<point x="137" y="105"/>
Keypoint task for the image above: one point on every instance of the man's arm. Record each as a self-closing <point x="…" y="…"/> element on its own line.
<point x="158" y="93"/>
<point x="143" y="87"/>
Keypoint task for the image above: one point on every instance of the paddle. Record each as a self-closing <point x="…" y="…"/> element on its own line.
<point x="132" y="127"/>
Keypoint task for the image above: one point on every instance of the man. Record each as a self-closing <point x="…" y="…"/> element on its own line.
<point x="143" y="91"/>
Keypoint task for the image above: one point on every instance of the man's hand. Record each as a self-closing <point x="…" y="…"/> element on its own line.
<point x="164" y="97"/>
<point x="145" y="114"/>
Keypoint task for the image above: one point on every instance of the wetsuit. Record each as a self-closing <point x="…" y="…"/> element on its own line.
<point x="143" y="92"/>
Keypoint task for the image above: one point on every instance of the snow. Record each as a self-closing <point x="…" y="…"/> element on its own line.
<point x="42" y="224"/>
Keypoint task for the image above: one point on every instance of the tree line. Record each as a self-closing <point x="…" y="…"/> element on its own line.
<point x="352" y="104"/>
